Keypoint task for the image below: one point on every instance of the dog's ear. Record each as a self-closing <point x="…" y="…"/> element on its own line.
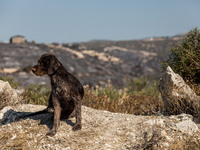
<point x="53" y="66"/>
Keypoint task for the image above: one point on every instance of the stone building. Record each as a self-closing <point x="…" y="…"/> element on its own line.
<point x="17" y="39"/>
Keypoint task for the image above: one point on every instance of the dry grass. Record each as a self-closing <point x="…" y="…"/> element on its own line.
<point x="122" y="100"/>
<point x="185" y="142"/>
<point x="139" y="97"/>
<point x="5" y="101"/>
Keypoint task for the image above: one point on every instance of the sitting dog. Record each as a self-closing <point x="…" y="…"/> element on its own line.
<point x="66" y="95"/>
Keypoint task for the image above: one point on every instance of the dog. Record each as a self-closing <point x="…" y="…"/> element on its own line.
<point x="66" y="95"/>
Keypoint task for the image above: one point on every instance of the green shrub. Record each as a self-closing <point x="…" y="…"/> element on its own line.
<point x="37" y="94"/>
<point x="109" y="91"/>
<point x="143" y="86"/>
<point x="184" y="59"/>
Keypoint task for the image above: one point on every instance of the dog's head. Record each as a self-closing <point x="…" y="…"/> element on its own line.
<point x="47" y="64"/>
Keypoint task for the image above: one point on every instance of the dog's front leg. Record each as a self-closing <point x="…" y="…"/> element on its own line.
<point x="77" y="125"/>
<point x="57" y="113"/>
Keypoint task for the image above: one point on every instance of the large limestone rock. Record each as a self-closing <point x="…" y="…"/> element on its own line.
<point x="178" y="97"/>
<point x="101" y="130"/>
<point x="8" y="96"/>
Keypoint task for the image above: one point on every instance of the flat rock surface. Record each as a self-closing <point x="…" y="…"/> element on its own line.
<point x="101" y="130"/>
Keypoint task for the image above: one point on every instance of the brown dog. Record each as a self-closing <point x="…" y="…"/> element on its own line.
<point x="66" y="95"/>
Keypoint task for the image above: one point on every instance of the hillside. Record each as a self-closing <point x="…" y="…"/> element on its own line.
<point x="94" y="62"/>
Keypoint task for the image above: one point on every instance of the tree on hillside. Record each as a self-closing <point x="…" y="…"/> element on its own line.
<point x="184" y="59"/>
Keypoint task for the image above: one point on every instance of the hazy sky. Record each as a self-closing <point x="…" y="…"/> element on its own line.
<point x="67" y="21"/>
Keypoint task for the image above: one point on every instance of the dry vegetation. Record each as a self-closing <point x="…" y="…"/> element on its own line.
<point x="139" y="97"/>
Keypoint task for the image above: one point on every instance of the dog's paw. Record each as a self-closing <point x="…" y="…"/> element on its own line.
<point x="77" y="127"/>
<point x="51" y="133"/>
<point x="50" y="110"/>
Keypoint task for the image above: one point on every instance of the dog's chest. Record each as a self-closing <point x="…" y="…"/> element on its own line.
<point x="60" y="88"/>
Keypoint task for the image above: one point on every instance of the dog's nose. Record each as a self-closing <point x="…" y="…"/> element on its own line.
<point x="34" y="69"/>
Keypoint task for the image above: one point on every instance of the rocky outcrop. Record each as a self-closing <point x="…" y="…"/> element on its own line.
<point x="178" y="97"/>
<point x="101" y="130"/>
<point x="8" y="96"/>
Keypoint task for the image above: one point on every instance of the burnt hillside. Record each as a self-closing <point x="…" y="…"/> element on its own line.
<point x="93" y="62"/>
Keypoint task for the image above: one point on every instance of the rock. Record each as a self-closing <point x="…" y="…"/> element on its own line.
<point x="187" y="126"/>
<point x="8" y="96"/>
<point x="9" y="70"/>
<point x="178" y="97"/>
<point x="101" y="130"/>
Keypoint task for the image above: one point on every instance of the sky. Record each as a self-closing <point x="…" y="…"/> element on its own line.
<point x="67" y="21"/>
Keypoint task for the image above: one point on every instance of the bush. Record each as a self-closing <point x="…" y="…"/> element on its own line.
<point x="143" y="86"/>
<point x="37" y="94"/>
<point x="184" y="59"/>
